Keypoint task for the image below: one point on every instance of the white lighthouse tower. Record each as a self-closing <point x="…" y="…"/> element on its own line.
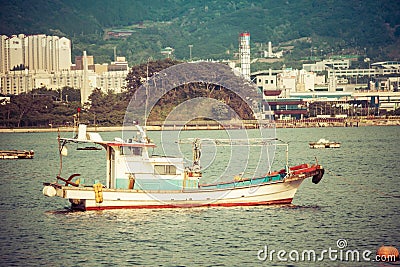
<point x="244" y="54"/>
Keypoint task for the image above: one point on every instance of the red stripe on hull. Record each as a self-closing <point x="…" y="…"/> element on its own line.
<point x="169" y="206"/>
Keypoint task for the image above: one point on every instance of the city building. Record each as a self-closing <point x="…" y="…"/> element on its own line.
<point x="282" y="83"/>
<point x="33" y="61"/>
<point x="267" y="84"/>
<point x="79" y="62"/>
<point x="34" y="52"/>
<point x="337" y="91"/>
<point x="327" y="64"/>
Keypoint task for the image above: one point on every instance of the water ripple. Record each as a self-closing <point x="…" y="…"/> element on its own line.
<point x="357" y="200"/>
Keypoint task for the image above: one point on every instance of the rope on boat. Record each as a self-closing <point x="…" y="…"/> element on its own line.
<point x="363" y="187"/>
<point x="59" y="152"/>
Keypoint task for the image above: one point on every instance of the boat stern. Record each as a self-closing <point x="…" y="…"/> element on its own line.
<point x="57" y="190"/>
<point x="52" y="190"/>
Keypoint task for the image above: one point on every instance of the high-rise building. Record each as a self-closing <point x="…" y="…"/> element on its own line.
<point x="3" y="55"/>
<point x="244" y="54"/>
<point x="34" y="52"/>
<point x="34" y="61"/>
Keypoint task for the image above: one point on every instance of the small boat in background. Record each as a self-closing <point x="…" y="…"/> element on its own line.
<point x="16" y="154"/>
<point x="323" y="143"/>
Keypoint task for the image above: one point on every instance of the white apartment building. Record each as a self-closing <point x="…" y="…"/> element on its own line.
<point x="23" y="81"/>
<point x="112" y="80"/>
<point x="35" y="52"/>
<point x="34" y="61"/>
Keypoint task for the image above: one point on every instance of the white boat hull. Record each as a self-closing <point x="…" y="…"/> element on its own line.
<point x="84" y="198"/>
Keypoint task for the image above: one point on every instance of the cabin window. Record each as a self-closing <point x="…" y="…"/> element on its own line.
<point x="127" y="150"/>
<point x="165" y="169"/>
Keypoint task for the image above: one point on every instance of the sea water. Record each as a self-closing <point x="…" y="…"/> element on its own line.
<point x="354" y="208"/>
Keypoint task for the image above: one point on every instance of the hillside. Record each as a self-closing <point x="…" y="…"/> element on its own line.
<point x="212" y="27"/>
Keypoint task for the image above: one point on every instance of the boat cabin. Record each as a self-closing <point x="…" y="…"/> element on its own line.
<point x="129" y="166"/>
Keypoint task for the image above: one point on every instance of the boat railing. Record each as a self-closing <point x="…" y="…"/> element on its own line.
<point x="248" y="142"/>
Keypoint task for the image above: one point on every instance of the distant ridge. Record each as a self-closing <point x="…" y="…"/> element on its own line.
<point x="211" y="26"/>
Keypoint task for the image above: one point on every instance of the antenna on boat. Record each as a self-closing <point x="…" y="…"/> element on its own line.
<point x="147" y="92"/>
<point x="76" y="121"/>
<point x="287" y="157"/>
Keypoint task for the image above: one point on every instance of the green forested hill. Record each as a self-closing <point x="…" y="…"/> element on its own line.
<point x="211" y="26"/>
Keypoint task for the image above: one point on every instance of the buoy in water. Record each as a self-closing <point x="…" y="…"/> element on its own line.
<point x="388" y="253"/>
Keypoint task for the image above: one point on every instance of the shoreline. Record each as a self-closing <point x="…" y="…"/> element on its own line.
<point x="61" y="129"/>
<point x="213" y="126"/>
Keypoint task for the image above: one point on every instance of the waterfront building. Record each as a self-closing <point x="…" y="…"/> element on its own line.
<point x="284" y="108"/>
<point x="338" y="91"/>
<point x="281" y="83"/>
<point x="266" y="83"/>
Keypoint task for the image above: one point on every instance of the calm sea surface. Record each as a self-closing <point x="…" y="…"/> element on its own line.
<point x="358" y="200"/>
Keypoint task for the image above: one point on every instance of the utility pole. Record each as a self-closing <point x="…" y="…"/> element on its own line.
<point x="190" y="52"/>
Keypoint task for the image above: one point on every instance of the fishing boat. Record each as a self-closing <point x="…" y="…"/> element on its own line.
<point x="16" y="154"/>
<point x="323" y="143"/>
<point x="135" y="179"/>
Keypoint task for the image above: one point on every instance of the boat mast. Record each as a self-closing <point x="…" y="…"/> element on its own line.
<point x="147" y="93"/>
<point x="59" y="151"/>
<point x="287" y="157"/>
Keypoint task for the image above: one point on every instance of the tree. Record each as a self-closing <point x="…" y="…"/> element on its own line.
<point x="70" y="94"/>
<point x="138" y="74"/>
<point x="106" y="108"/>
